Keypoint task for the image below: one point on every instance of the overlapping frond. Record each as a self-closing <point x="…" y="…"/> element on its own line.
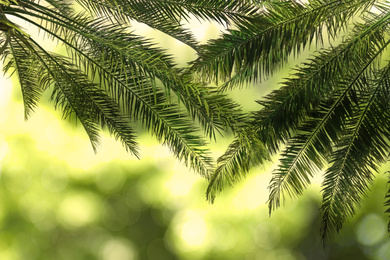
<point x="285" y="109"/>
<point x="124" y="78"/>
<point x="167" y="16"/>
<point x="176" y="10"/>
<point x="330" y="114"/>
<point x="353" y="154"/>
<point x="76" y="95"/>
<point x="363" y="147"/>
<point x="258" y="49"/>
<point x="244" y="153"/>
<point x="141" y="98"/>
<point x="24" y="66"/>
<point x="133" y="86"/>
<point x="214" y="111"/>
<point x="281" y="114"/>
<point x="307" y="152"/>
<point x="127" y="11"/>
<point x="113" y="43"/>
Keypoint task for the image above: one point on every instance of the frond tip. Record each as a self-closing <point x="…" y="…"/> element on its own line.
<point x="244" y="153"/>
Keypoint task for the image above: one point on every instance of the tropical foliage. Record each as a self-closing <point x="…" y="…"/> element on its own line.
<point x="331" y="115"/>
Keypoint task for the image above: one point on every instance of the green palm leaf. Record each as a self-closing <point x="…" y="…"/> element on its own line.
<point x="132" y="78"/>
<point x="359" y="153"/>
<point x="260" y="48"/>
<point x="23" y="64"/>
<point x="75" y="94"/>
<point x="245" y="152"/>
<point x="308" y="152"/>
<point x="281" y="117"/>
<point x="331" y="113"/>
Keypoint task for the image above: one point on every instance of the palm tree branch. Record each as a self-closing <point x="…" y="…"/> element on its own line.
<point x="216" y="10"/>
<point x="171" y="130"/>
<point x="84" y="96"/>
<point x="209" y="114"/>
<point x="245" y="152"/>
<point x="360" y="151"/>
<point x="287" y="173"/>
<point x="89" y="126"/>
<point x="125" y="14"/>
<point x="325" y="69"/>
<point x="223" y="55"/>
<point x="31" y="91"/>
<point x="307" y="142"/>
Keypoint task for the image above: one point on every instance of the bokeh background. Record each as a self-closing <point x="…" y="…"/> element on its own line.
<point x="60" y="200"/>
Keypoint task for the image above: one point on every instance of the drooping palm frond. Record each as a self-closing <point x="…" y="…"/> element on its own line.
<point x="161" y="14"/>
<point x="280" y="115"/>
<point x="245" y="152"/>
<point x="307" y="152"/>
<point x="23" y="63"/>
<point x="284" y="109"/>
<point x="218" y="108"/>
<point x="114" y="78"/>
<point x="155" y="63"/>
<point x="124" y="12"/>
<point x="258" y="49"/>
<point x="362" y="148"/>
<point x="73" y="92"/>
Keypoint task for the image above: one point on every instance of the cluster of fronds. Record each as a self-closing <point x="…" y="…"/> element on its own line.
<point x="111" y="78"/>
<point x="331" y="115"/>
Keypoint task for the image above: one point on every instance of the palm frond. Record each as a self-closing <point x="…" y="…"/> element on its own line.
<point x="176" y="10"/>
<point x="244" y="153"/>
<point x="287" y="114"/>
<point x="76" y="95"/>
<point x="308" y="154"/>
<point x="23" y="64"/>
<point x="330" y="114"/>
<point x="362" y="148"/>
<point x="128" y="11"/>
<point x="258" y="49"/>
<point x="133" y="87"/>
<point x="167" y="16"/>
<point x="127" y="68"/>
<point x="304" y="156"/>
<point x="81" y="33"/>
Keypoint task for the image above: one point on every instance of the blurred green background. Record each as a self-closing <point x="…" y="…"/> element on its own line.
<point x="59" y="200"/>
